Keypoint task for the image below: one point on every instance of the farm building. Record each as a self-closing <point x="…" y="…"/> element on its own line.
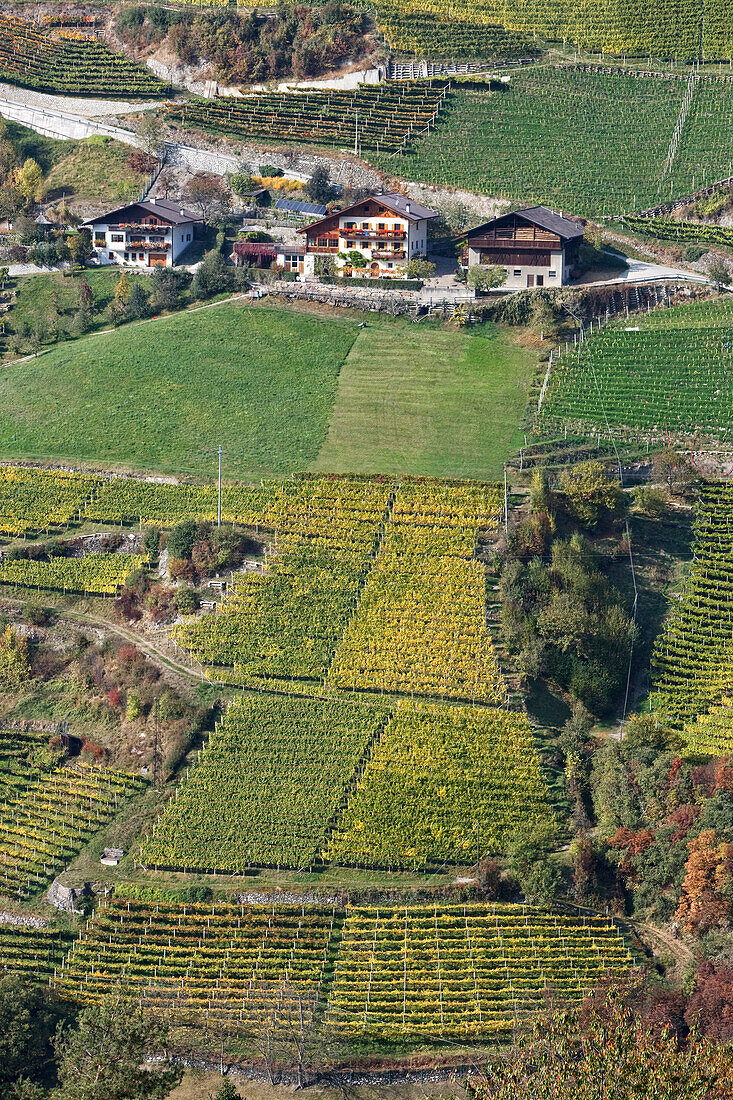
<point x="537" y="246"/>
<point x="386" y="230"/>
<point x="290" y="257"/>
<point x="144" y="234"/>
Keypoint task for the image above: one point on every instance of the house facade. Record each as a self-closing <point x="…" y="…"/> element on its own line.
<point x="537" y="246"/>
<point x="385" y="230"/>
<point x="153" y="233"/>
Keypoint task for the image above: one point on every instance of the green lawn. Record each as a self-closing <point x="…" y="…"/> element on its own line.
<point x="163" y="395"/>
<point x="427" y="400"/>
<point x="281" y="390"/>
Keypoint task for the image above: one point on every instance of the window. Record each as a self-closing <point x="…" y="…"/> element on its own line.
<point x="517" y="272"/>
<point x="349" y="244"/>
<point x="181" y="238"/>
<point x="540" y="280"/>
<point x="530" y="280"/>
<point x="390" y="266"/>
<point x="323" y="242"/>
<point x="127" y="256"/>
<point x="188" y="236"/>
<point x="552" y="274"/>
<point x="111" y="255"/>
<point x="118" y="237"/>
<point x="365" y="225"/>
<point x="381" y="225"/>
<point x="141" y="255"/>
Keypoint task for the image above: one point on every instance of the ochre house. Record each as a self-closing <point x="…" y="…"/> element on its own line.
<point x="386" y="230"/>
<point x="152" y="233"/>
<point x="537" y="246"/>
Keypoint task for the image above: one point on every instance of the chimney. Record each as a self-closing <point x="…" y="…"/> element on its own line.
<point x="182" y="213"/>
<point x="153" y="201"/>
<point x="407" y="207"/>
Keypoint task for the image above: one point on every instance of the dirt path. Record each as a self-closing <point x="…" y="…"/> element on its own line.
<point x="654" y="937"/>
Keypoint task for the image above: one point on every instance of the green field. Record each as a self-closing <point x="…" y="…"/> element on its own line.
<point x="588" y="143"/>
<point x="427" y="402"/>
<point x="279" y="389"/>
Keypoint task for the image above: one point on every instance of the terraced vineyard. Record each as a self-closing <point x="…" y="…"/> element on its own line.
<point x="686" y="30"/>
<point x="673" y="374"/>
<point x="544" y="138"/>
<point x="23" y="754"/>
<point x="436" y="34"/>
<point x="44" y="824"/>
<point x="34" y="500"/>
<point x="233" y="965"/>
<point x="458" y="970"/>
<point x="266" y="786"/>
<point x="668" y="229"/>
<point x="443" y="784"/>
<point x="33" y="952"/>
<point x="384" y="117"/>
<point x="693" y="662"/>
<point x="420" y="625"/>
<point x="94" y="574"/>
<point x="68" y="62"/>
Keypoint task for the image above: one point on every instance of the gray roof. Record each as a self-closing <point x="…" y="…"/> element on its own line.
<point x="166" y="208"/>
<point x="552" y="221"/>
<point x="406" y="207"/>
<point x="301" y="207"/>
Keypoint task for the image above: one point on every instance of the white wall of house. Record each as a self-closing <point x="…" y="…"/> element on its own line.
<point x="388" y="255"/>
<point x="521" y="276"/>
<point x="113" y="244"/>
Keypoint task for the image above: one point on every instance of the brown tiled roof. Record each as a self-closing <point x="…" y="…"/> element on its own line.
<point x="398" y="204"/>
<point x="566" y="228"/>
<point x="170" y="211"/>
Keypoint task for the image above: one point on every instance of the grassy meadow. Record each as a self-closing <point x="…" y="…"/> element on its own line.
<point x="281" y="390"/>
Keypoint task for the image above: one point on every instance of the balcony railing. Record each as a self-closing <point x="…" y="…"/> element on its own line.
<point x="374" y="234"/>
<point x="384" y="254"/>
<point x="147" y="246"/>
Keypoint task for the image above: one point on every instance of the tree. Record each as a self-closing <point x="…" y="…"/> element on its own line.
<point x="719" y="272"/>
<point x="227" y="1092"/>
<point x="167" y="286"/>
<point x="589" y="492"/>
<point x="28" y="180"/>
<point x="319" y="187"/>
<point x="15" y="667"/>
<point x="486" y="277"/>
<point x="673" y="469"/>
<point x="214" y="276"/>
<point x="209" y="194"/>
<point x="419" y="268"/>
<point x="122" y="290"/>
<point x="103" y="1057"/>
<point x="138" y="303"/>
<point x="528" y="855"/>
<point x="28" y="1018"/>
<point x="152" y="132"/>
<point x="606" y="1053"/>
<point x="706" y="891"/>
<point x="80" y="246"/>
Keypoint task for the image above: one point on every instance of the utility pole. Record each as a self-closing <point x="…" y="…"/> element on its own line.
<point x="506" y="503"/>
<point x="219" y="511"/>
<point x="356" y="134"/>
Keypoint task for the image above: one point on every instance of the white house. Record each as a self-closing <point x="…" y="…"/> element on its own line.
<point x="387" y="230"/>
<point x="537" y="246"/>
<point x="152" y="233"/>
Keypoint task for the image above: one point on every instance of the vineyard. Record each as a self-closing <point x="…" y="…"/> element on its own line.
<point x="693" y="662"/>
<point x="381" y="117"/>
<point x="266" y="785"/>
<point x="45" y="824"/>
<point x="671" y="374"/>
<point x="444" y="784"/>
<point x="236" y="965"/>
<point x="447" y="970"/>
<point x="420" y="625"/>
<point x="68" y="62"/>
<point x="686" y="30"/>
<point x="682" y="232"/>
<point x="23" y="755"/>
<point x="545" y="136"/>
<point x="463" y="970"/>
<point x="94" y="574"/>
<point x="34" y="952"/>
<point x="40" y="500"/>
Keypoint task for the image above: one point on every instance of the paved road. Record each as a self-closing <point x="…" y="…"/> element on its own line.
<point x="639" y="271"/>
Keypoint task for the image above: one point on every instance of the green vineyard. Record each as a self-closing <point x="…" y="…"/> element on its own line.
<point x="544" y="138"/>
<point x="686" y="30"/>
<point x="693" y="663"/>
<point x="44" y="824"/>
<point x="23" y="756"/>
<point x="443" y="784"/>
<point x="381" y="117"/>
<point x="94" y="574"/>
<point x="33" y="952"/>
<point x="444" y="970"/>
<point x="266" y="786"/>
<point x="668" y="372"/>
<point x="68" y="62"/>
<point x="33" y="500"/>
<point x="463" y="970"/>
<point x="682" y="232"/>
<point x="236" y="965"/>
